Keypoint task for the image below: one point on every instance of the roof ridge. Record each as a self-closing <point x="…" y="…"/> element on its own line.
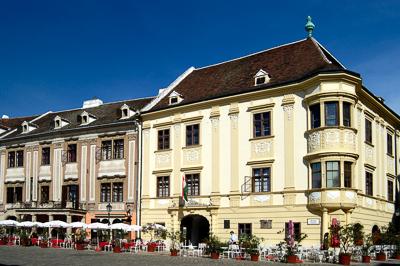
<point x="321" y="47"/>
<point x="120" y="101"/>
<point x="252" y="54"/>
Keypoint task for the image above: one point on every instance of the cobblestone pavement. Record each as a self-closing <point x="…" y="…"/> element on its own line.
<point x="50" y="256"/>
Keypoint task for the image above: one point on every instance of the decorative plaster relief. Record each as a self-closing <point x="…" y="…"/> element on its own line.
<point x="331" y="137"/>
<point x="71" y="171"/>
<point x="177" y="130"/>
<point x="350" y="195"/>
<point x="369" y="201"/>
<point x="163" y="159"/>
<point x="262" y="147"/>
<point x="15" y="174"/>
<point x="112" y="168"/>
<point x="333" y="194"/>
<point x="45" y="173"/>
<point x="314" y="141"/>
<point x="369" y="153"/>
<point x="192" y="155"/>
<point x="315" y="196"/>
<point x="163" y="202"/>
<point x="390" y="206"/>
<point x="289" y="110"/>
<point x="117" y="206"/>
<point x="214" y="122"/>
<point x="262" y="198"/>
<point x="234" y="120"/>
<point x="349" y="138"/>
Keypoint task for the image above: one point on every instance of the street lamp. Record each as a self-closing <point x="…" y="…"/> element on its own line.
<point x="109" y="209"/>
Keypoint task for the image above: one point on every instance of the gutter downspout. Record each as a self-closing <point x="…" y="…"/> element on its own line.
<point x="139" y="177"/>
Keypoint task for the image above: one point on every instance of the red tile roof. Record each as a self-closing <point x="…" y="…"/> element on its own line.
<point x="285" y="64"/>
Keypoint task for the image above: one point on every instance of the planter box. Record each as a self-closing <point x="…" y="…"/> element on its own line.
<point x="366" y="259"/>
<point x="174" y="253"/>
<point x="292" y="259"/>
<point x="344" y="259"/>
<point x="214" y="255"/>
<point x="381" y="256"/>
<point x="254" y="257"/>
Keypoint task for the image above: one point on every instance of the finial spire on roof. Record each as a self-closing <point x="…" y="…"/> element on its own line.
<point x="309" y="27"/>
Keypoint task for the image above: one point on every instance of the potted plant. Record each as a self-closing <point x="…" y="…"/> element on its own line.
<point x="153" y="230"/>
<point x="24" y="238"/>
<point x="251" y="244"/>
<point x="346" y="234"/>
<point x="80" y="236"/>
<point x="366" y="248"/>
<point x="380" y="239"/>
<point x="174" y="236"/>
<point x="213" y="246"/>
<point x="358" y="234"/>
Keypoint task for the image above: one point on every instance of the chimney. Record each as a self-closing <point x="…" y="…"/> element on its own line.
<point x="92" y="103"/>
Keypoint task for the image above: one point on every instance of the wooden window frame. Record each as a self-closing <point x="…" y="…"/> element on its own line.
<point x="163" y="139"/>
<point x="250" y="225"/>
<point x="262" y="120"/>
<point x="118" y="192"/>
<point x="368" y="131"/>
<point x="46" y="157"/>
<point x="190" y="178"/>
<point x="337" y="122"/>
<point x="161" y="186"/>
<point x="369" y="184"/>
<point x="263" y="178"/>
<point x="332" y="171"/>
<point x="316" y="172"/>
<point x="389" y="143"/>
<point x="72" y="153"/>
<point x="108" y="192"/>
<point x="390" y="194"/>
<point x="347" y="174"/>
<point x="191" y="136"/>
<point x="346" y="118"/>
<point x="315" y="123"/>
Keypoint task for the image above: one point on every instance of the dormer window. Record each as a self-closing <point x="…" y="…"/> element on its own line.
<point x="85" y="118"/>
<point x="59" y="122"/>
<point x="126" y="112"/>
<point x="262" y="77"/>
<point x="175" y="98"/>
<point x="28" y="127"/>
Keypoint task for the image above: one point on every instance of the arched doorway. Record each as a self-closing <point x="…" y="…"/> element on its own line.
<point x="195" y="228"/>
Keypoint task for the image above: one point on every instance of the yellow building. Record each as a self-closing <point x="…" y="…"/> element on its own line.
<point x="283" y="134"/>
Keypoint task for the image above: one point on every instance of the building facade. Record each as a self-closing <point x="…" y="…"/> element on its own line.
<point x="69" y="165"/>
<point x="284" y="134"/>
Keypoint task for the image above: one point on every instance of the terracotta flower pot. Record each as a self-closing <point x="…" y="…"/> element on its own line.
<point x="174" y="253"/>
<point x="215" y="255"/>
<point x="151" y="248"/>
<point x="366" y="259"/>
<point x="254" y="257"/>
<point x="79" y="246"/>
<point x="117" y="249"/>
<point x="292" y="259"/>
<point x="344" y="259"/>
<point x="381" y="256"/>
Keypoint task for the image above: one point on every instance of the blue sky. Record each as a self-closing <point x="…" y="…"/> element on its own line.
<point x="55" y="54"/>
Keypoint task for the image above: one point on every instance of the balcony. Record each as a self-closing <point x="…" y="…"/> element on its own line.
<point x="333" y="198"/>
<point x="331" y="139"/>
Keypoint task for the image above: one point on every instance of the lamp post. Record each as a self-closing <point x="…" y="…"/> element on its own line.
<point x="109" y="209"/>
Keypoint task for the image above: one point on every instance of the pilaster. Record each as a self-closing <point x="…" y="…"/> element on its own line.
<point x="288" y="105"/>
<point x="177" y="150"/>
<point x="234" y="117"/>
<point x="57" y="170"/>
<point x="214" y="117"/>
<point x="2" y="173"/>
<point x="131" y="167"/>
<point x="146" y="161"/>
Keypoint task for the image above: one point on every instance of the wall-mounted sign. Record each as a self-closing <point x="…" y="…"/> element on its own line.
<point x="313" y="221"/>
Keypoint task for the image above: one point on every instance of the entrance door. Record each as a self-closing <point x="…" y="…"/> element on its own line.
<point x="195" y="228"/>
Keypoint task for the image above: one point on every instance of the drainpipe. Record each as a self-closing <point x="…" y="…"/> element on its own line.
<point x="139" y="176"/>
